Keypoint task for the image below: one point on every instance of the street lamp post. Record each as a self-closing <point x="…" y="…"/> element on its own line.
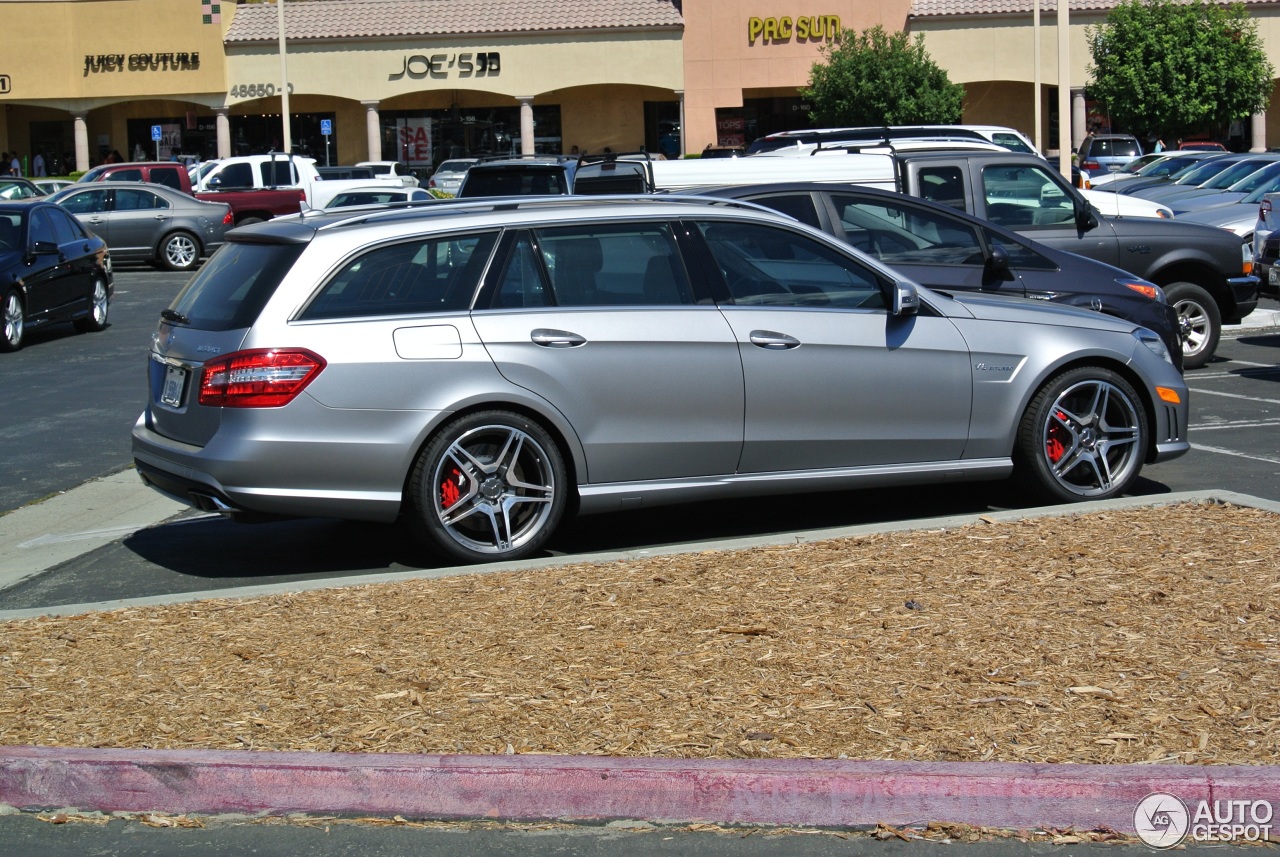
<point x="287" y="137"/>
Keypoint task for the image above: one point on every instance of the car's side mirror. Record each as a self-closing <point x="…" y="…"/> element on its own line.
<point x="997" y="264"/>
<point x="906" y="300"/>
<point x="214" y="183"/>
<point x="1086" y="216"/>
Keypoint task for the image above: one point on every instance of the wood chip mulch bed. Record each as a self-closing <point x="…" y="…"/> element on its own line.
<point x="1150" y="635"/>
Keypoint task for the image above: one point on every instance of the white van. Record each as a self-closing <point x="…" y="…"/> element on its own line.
<point x="637" y="173"/>
<point x="1006" y="138"/>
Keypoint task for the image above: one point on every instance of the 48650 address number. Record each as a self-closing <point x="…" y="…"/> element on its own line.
<point x="255" y="90"/>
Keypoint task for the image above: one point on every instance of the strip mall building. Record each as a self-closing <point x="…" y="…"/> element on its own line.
<point x="423" y="81"/>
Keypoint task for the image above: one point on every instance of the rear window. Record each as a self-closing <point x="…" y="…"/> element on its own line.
<point x="235" y="284"/>
<point x="513" y="182"/>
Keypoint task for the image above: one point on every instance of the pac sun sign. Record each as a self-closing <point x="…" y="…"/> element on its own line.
<point x="810" y="28"/>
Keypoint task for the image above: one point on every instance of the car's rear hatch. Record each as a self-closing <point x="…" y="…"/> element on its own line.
<point x="210" y="318"/>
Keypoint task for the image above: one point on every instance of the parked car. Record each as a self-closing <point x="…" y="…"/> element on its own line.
<point x="1234" y="169"/>
<point x="392" y="170"/>
<point x="481" y="371"/>
<point x="945" y="249"/>
<point x="1213" y="195"/>
<point x="1163" y="170"/>
<point x="1202" y="172"/>
<point x="1100" y="153"/>
<point x="15" y="187"/>
<point x="532" y="175"/>
<point x="344" y="173"/>
<point x="1129" y="169"/>
<point x="379" y="195"/>
<point x="151" y="222"/>
<point x="448" y="176"/>
<point x="52" y="269"/>
<point x="724" y="152"/>
<point x="48" y="186"/>
<point x="1201" y="146"/>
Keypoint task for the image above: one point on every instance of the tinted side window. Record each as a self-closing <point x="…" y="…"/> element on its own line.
<point x="167" y="177"/>
<point x="1021" y="196"/>
<point x="943" y="185"/>
<point x="626" y="264"/>
<point x="413" y="277"/>
<point x="236" y="175"/>
<point x="1020" y="255"/>
<point x="85" y="201"/>
<point x="235" y="284"/>
<point x="522" y="282"/>
<point x="42" y="229"/>
<point x="770" y="266"/>
<point x="907" y="233"/>
<point x="138" y="200"/>
<point x="130" y="175"/>
<point x="1012" y="142"/>
<point x="277" y="172"/>
<point x="797" y="205"/>
<point x="67" y="227"/>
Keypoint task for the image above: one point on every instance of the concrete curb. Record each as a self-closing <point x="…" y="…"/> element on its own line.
<point x="834" y="794"/>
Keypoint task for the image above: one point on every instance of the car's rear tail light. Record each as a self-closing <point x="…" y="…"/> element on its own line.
<point x="1264" y="207"/>
<point x="261" y="378"/>
<point x="1091" y="165"/>
<point x="228" y="219"/>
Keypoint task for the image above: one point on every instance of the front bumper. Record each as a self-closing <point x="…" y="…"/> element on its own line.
<point x="1245" y="291"/>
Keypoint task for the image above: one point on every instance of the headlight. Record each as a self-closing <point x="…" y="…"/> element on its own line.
<point x="1144" y="288"/>
<point x="1155" y="343"/>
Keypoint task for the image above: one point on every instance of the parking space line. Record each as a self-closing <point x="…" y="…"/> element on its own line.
<point x="1243" y="373"/>
<point x="1239" y="424"/>
<point x="1220" y="451"/>
<point x="1200" y="392"/>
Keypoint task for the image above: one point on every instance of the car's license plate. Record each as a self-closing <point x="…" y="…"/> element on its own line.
<point x="175" y="382"/>
<point x="1273" y="276"/>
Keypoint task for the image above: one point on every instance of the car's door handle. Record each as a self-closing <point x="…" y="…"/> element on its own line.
<point x="556" y="338"/>
<point x="158" y="216"/>
<point x="773" y="340"/>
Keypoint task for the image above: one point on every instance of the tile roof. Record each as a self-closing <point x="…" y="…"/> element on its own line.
<point x="358" y="19"/>
<point x="944" y="8"/>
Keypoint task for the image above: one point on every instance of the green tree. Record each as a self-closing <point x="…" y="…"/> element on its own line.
<point x="880" y="79"/>
<point x="1163" y="68"/>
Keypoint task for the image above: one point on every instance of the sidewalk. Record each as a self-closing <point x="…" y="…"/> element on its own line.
<point x="596" y="789"/>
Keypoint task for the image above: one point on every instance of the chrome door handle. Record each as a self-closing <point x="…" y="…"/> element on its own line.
<point x="773" y="340"/>
<point x="556" y="338"/>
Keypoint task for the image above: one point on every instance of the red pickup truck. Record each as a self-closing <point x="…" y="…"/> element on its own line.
<point x="249" y="205"/>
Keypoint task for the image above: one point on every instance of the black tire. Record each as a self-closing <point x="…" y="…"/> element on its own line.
<point x="1199" y="322"/>
<point x="1083" y="437"/>
<point x="488" y="486"/>
<point x="249" y="221"/>
<point x="99" y="308"/>
<point x="13" y="321"/>
<point x="179" y="251"/>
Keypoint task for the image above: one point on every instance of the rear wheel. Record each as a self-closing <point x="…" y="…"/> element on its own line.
<point x="248" y="221"/>
<point x="99" y="306"/>
<point x="489" y="486"/>
<point x="179" y="251"/>
<point x="1083" y="437"/>
<point x="1199" y="322"/>
<point x="15" y="322"/>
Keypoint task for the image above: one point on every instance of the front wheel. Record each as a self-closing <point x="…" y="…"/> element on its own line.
<point x="179" y="251"/>
<point x="99" y="306"/>
<point x="489" y="486"/>
<point x="1083" y="437"/>
<point x="1199" y="322"/>
<point x="15" y="322"/>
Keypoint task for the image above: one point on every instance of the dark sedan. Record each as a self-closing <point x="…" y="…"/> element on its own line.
<point x="946" y="249"/>
<point x="147" y="221"/>
<point x="52" y="269"/>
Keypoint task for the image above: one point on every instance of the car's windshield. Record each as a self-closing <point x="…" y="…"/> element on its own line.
<point x="1257" y="178"/>
<point x="1204" y="172"/>
<point x="1233" y="174"/>
<point x="1168" y="166"/>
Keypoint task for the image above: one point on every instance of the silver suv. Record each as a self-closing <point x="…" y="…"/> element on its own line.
<point x="1102" y="153"/>
<point x="482" y="369"/>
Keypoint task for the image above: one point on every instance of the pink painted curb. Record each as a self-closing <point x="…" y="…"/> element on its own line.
<point x="597" y="789"/>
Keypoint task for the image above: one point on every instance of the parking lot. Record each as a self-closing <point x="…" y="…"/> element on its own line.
<point x="81" y="395"/>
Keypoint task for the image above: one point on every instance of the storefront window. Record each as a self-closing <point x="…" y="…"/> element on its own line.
<point x="424" y="138"/>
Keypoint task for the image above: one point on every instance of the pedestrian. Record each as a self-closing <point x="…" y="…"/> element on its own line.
<point x="1159" y="146"/>
<point x="4" y="164"/>
<point x="15" y="165"/>
<point x="37" y="166"/>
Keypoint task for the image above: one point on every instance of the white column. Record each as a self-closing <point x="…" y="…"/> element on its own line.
<point x="1258" y="132"/>
<point x="683" y="150"/>
<point x="222" y="123"/>
<point x="373" y="130"/>
<point x="82" y="141"/>
<point x="1064" y="88"/>
<point x="526" y="124"/>
<point x="1078" y="123"/>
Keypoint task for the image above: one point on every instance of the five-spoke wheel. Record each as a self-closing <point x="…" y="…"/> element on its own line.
<point x="15" y="322"/>
<point x="489" y="486"/>
<point x="1084" y="436"/>
<point x="99" y="307"/>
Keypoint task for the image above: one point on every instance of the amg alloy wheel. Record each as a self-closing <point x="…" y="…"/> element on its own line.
<point x="15" y="322"/>
<point x="489" y="486"/>
<point x="1084" y="437"/>
<point x="99" y="307"/>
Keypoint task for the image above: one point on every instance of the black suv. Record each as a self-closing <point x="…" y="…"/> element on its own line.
<point x="529" y="175"/>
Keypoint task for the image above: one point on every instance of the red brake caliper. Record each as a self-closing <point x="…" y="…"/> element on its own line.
<point x="1054" y="447"/>
<point x="451" y="488"/>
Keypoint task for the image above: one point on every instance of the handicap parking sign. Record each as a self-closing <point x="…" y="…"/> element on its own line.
<point x="155" y="133"/>
<point x="326" y="127"/>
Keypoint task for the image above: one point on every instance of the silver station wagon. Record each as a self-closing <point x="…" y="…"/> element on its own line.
<point x="481" y="369"/>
